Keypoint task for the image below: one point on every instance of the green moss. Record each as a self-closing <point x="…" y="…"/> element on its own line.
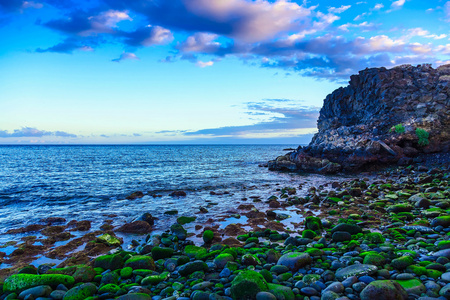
<point x="161" y="252"/>
<point x="309" y="234"/>
<point x="313" y="223"/>
<point x="247" y="284"/>
<point x="184" y="220"/>
<point x="111" y="262"/>
<point x="402" y="263"/>
<point x="208" y="236"/>
<point x="126" y="273"/>
<point x="21" y="282"/>
<point x="374" y="259"/>
<point x="375" y="237"/>
<point x="108" y="288"/>
<point x="194" y="251"/>
<point x="314" y="252"/>
<point x="281" y="291"/>
<point x="109" y="240"/>
<point x="435" y="274"/>
<point x="418" y="270"/>
<point x="140" y="262"/>
<point x="81" y="292"/>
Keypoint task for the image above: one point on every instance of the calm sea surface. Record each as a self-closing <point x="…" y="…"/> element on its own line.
<point x="91" y="182"/>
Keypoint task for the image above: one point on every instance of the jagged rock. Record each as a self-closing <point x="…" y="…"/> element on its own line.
<point x="373" y="121"/>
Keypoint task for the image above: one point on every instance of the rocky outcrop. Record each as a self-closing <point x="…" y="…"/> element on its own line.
<point x="383" y="116"/>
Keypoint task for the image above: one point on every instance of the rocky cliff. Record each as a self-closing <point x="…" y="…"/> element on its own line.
<point x="383" y="116"/>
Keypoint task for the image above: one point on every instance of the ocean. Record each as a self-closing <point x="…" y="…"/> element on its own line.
<point x="92" y="182"/>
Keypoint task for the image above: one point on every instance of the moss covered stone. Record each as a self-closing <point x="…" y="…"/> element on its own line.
<point x="185" y="220"/>
<point x="126" y="273"/>
<point x="194" y="251"/>
<point x="20" y="282"/>
<point x="384" y="290"/>
<point x="208" y="236"/>
<point x="295" y="260"/>
<point x="308" y="234"/>
<point x="247" y="284"/>
<point x="222" y="259"/>
<point x="109" y="240"/>
<point x="375" y="238"/>
<point x="81" y="292"/>
<point x="140" y="262"/>
<point x="109" y="262"/>
<point x="108" y="288"/>
<point x="281" y="291"/>
<point x="374" y="259"/>
<point x="161" y="252"/>
<point x="313" y="223"/>
<point x="402" y="263"/>
<point x="135" y="296"/>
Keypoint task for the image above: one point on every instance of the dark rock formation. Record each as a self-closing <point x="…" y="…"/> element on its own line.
<point x="383" y="116"/>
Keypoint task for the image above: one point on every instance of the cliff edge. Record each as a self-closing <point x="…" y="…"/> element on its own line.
<point x="384" y="116"/>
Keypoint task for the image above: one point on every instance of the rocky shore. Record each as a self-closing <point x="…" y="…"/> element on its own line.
<point x="378" y="236"/>
<point x="384" y="116"/>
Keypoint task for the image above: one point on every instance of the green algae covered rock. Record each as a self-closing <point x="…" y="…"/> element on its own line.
<point x="375" y="238"/>
<point x="20" y="282"/>
<point x="140" y="262"/>
<point x="192" y="267"/>
<point x="443" y="221"/>
<point x="247" y="284"/>
<point x="412" y="286"/>
<point x="109" y="262"/>
<point x="194" y="251"/>
<point x="109" y="288"/>
<point x="135" y="296"/>
<point x="295" y="260"/>
<point x="185" y="220"/>
<point x="222" y="259"/>
<point x="384" y="290"/>
<point x="374" y="259"/>
<point x="161" y="252"/>
<point x="126" y="273"/>
<point x="402" y="263"/>
<point x="356" y="270"/>
<point x="313" y="223"/>
<point x="208" y="236"/>
<point x="81" y="292"/>
<point x="109" y="240"/>
<point x="281" y="291"/>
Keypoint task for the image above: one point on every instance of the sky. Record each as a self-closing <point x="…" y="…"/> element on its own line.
<point x="196" y="71"/>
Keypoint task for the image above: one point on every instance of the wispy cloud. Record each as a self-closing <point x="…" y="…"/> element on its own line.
<point x="126" y="56"/>
<point x="397" y="5"/>
<point x="33" y="132"/>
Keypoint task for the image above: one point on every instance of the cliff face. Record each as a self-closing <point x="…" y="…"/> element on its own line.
<point x="375" y="119"/>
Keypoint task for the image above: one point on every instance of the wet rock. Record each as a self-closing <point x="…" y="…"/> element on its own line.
<point x="295" y="260"/>
<point x="178" y="194"/>
<point x="137" y="227"/>
<point x="384" y="290"/>
<point x="356" y="270"/>
<point x="247" y="285"/>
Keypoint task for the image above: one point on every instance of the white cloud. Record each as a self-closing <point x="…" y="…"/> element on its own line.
<point x="437" y="37"/>
<point x="200" y="42"/>
<point x="204" y="64"/>
<point x="397" y="5"/>
<point x="364" y="26"/>
<point x="338" y="10"/>
<point x="126" y="56"/>
<point x="158" y="36"/>
<point x="378" y="6"/>
<point x="105" y="22"/>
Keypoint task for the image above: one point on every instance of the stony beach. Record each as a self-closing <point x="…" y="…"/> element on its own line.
<point x="381" y="235"/>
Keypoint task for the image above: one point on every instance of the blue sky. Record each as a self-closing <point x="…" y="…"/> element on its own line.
<point x="196" y="71"/>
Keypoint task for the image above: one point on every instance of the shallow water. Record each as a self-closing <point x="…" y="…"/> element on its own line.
<point x="92" y="182"/>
